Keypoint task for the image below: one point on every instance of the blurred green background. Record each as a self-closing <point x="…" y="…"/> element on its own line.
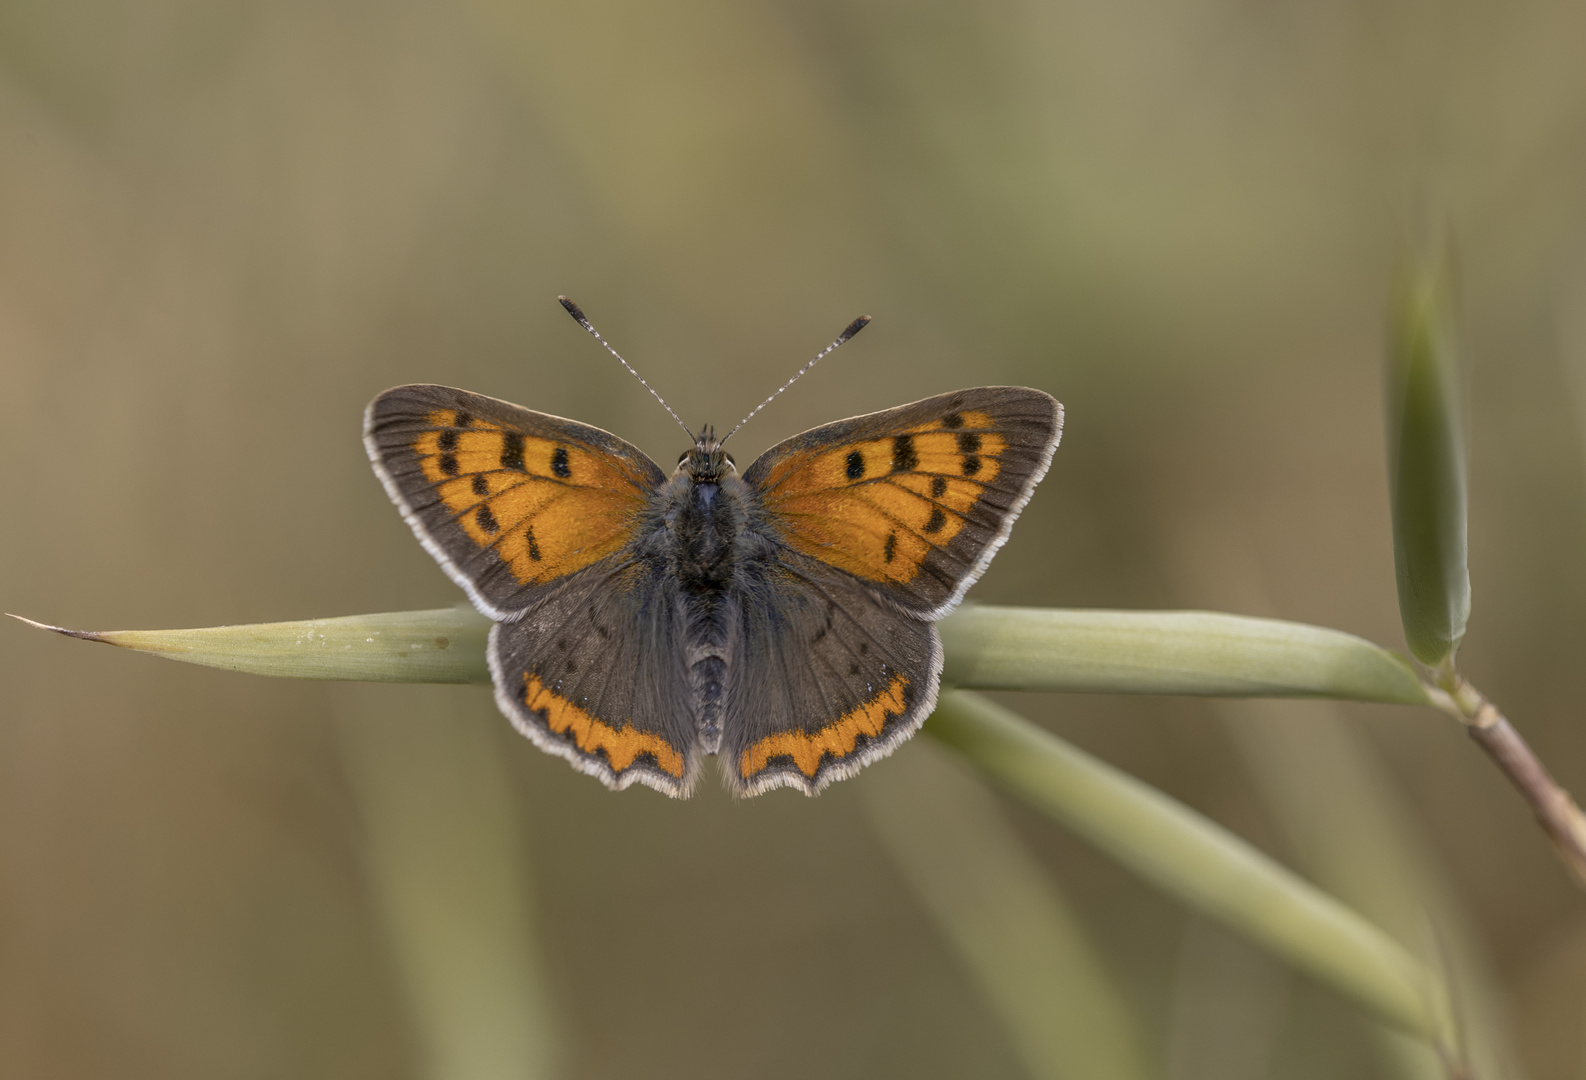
<point x="225" y="226"/>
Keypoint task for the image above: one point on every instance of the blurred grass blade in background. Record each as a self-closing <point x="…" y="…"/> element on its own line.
<point x="1167" y="652"/>
<point x="1327" y="790"/>
<point x="446" y="865"/>
<point x="1197" y="861"/>
<point x="1426" y="448"/>
<point x="1024" y="948"/>
<point x="1229" y="1006"/>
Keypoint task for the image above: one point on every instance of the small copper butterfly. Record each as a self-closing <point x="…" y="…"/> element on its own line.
<point x="783" y="620"/>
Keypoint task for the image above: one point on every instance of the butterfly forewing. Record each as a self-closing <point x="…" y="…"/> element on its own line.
<point x="914" y="500"/>
<point x="508" y="500"/>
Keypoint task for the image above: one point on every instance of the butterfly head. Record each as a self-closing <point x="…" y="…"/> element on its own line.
<point x="707" y="462"/>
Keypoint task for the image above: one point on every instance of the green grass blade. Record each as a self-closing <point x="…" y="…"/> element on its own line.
<point x="1195" y="860"/>
<point x="446" y="645"/>
<point x="1014" y="932"/>
<point x="1426" y="448"/>
<point x="988" y="648"/>
<point x="1167" y="652"/>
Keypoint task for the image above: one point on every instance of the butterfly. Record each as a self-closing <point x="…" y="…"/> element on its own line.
<point x="782" y="620"/>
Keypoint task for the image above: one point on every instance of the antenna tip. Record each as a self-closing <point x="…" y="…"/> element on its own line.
<point x="854" y="328"/>
<point x="572" y="309"/>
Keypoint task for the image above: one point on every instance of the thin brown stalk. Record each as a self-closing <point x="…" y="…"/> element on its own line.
<point x="1553" y="806"/>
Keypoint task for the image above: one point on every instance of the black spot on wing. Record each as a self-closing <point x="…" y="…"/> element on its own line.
<point x="447" y="440"/>
<point x="938" y="487"/>
<point x="891" y="547"/>
<point x="904" y="456"/>
<point x="462" y="419"/>
<point x="969" y="442"/>
<point x="937" y="520"/>
<point x="481" y="485"/>
<point x="559" y="464"/>
<point x="487" y="520"/>
<point x="856" y="465"/>
<point x="449" y="464"/>
<point x="971" y="464"/>
<point x="534" y="549"/>
<point x="512" y="450"/>
<point x="952" y="420"/>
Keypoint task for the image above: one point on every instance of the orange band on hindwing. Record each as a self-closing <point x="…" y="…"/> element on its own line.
<point x="837" y="738"/>
<point x="622" y="746"/>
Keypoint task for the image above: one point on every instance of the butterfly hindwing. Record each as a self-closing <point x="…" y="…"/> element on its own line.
<point x="827" y="677"/>
<point x="913" y="500"/>
<point x="592" y="673"/>
<point x="508" y="500"/>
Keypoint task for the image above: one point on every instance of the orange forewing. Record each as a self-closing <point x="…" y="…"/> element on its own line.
<point x="546" y="507"/>
<point x="876" y="507"/>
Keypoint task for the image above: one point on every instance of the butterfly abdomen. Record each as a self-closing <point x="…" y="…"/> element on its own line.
<point x="704" y="520"/>
<point x="708" y="678"/>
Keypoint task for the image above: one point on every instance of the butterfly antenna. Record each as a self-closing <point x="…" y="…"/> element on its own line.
<point x="853" y="328"/>
<point x="578" y="313"/>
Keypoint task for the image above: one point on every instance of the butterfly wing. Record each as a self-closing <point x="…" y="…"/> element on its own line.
<point x="509" y="501"/>
<point x="882" y="523"/>
<point x="913" y="501"/>
<point x="540" y="520"/>
<point x="593" y="673"/>
<point x="826" y="678"/>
